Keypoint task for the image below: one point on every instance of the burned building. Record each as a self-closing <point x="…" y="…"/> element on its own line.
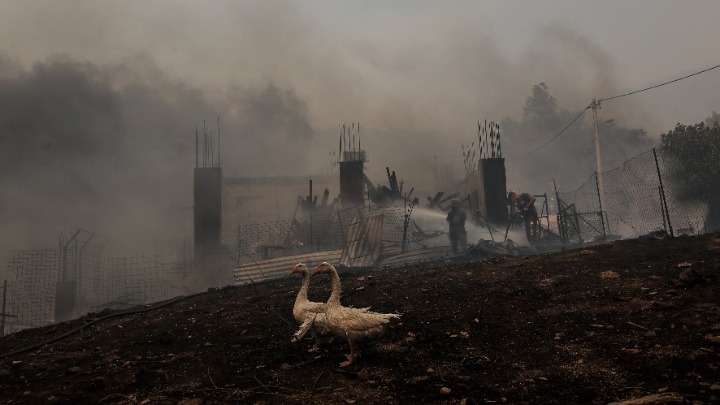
<point x="352" y="178"/>
<point x="264" y="212"/>
<point x="489" y="196"/>
<point x="207" y="211"/>
<point x="485" y="184"/>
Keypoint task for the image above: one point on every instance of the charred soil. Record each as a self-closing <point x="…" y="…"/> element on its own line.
<point x="613" y="322"/>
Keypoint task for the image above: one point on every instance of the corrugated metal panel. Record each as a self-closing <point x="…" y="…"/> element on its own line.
<point x="375" y="246"/>
<point x="416" y="256"/>
<point x="270" y="269"/>
<point x="364" y="242"/>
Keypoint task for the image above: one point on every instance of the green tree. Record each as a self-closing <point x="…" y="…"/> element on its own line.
<point x="713" y="119"/>
<point x="696" y="149"/>
<point x="540" y="107"/>
<point x="620" y="144"/>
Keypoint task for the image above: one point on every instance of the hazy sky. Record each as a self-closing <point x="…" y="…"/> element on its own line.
<point x="128" y="82"/>
<point x="390" y="52"/>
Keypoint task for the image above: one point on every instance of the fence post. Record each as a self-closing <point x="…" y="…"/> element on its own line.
<point x="405" y="220"/>
<point x="559" y="217"/>
<point x="561" y="222"/>
<point x="662" y="209"/>
<point x="602" y="214"/>
<point x="2" y="321"/>
<point x="662" y="193"/>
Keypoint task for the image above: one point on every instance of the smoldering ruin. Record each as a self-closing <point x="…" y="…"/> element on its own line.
<point x="98" y="155"/>
<point x="604" y="321"/>
<point x="251" y="230"/>
<point x="359" y="211"/>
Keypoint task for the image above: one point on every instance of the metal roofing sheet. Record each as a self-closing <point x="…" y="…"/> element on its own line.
<point x="364" y="242"/>
<point x="270" y="269"/>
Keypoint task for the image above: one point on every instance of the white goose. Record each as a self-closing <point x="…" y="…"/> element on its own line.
<point x="310" y="315"/>
<point x="354" y="324"/>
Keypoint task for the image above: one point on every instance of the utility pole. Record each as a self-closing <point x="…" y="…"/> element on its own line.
<point x="595" y="105"/>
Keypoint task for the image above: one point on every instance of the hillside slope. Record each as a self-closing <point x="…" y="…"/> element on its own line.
<point x="613" y="322"/>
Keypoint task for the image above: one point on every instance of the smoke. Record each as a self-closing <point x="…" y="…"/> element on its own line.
<point x="270" y="133"/>
<point x="432" y="220"/>
<point x="99" y="103"/>
<point x="83" y="146"/>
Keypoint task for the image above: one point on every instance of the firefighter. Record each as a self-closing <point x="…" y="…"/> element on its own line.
<point x="456" y="221"/>
<point x="525" y="204"/>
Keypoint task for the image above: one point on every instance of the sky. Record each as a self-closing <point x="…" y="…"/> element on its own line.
<point x="99" y="101"/>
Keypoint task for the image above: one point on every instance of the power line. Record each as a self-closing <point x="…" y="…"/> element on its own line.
<point x="562" y="131"/>
<point x="596" y="103"/>
<point x="659" y="85"/>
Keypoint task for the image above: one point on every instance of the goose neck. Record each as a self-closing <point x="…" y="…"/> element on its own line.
<point x="336" y="288"/>
<point x="302" y="294"/>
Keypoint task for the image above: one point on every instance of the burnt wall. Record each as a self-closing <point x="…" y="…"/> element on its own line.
<point x="495" y="190"/>
<point x="207" y="210"/>
<point x="352" y="183"/>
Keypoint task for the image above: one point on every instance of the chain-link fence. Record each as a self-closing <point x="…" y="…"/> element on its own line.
<point x="398" y="233"/>
<point x="303" y="234"/>
<point x="646" y="194"/>
<point x="33" y="275"/>
<point x="49" y="285"/>
<point x="325" y="231"/>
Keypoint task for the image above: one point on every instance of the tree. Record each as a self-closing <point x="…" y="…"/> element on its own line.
<point x="620" y="144"/>
<point x="696" y="149"/>
<point x="540" y="107"/>
<point x="713" y="119"/>
<point x="536" y="156"/>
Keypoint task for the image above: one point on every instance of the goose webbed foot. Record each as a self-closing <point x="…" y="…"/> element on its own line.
<point x="350" y="359"/>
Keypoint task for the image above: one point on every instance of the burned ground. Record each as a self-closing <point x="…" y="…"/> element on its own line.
<point x="622" y="320"/>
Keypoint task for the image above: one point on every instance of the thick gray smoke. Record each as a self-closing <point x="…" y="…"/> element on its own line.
<point x="102" y="137"/>
<point x="111" y="148"/>
<point x="269" y="133"/>
<point x="92" y="147"/>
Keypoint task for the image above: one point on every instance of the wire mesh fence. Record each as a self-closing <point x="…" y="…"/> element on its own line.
<point x="399" y="228"/>
<point x="325" y="231"/>
<point x="32" y="277"/>
<point x="690" y="211"/>
<point x="303" y="234"/>
<point x="647" y="194"/>
<point x="49" y="285"/>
